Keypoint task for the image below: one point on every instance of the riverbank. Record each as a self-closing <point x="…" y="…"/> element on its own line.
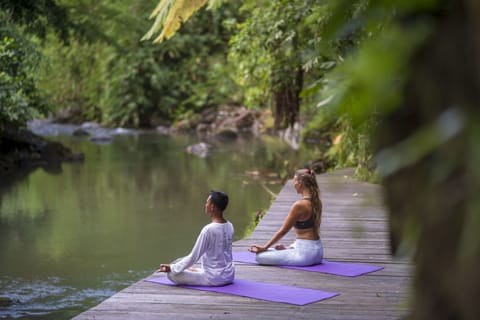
<point x="22" y="151"/>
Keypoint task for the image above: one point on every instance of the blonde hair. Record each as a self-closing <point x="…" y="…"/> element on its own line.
<point x="309" y="180"/>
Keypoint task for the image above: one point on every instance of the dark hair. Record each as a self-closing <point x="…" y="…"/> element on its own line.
<point x="309" y="180"/>
<point x="219" y="199"/>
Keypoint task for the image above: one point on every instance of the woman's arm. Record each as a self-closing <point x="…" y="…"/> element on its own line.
<point x="288" y="223"/>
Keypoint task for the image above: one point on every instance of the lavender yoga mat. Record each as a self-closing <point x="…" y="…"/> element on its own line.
<point x="330" y="267"/>
<point x="260" y="290"/>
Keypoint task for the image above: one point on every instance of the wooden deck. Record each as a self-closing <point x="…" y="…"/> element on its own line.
<point x="354" y="229"/>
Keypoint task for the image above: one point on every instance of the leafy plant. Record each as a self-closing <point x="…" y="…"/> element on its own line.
<point x="119" y="80"/>
<point x="19" y="98"/>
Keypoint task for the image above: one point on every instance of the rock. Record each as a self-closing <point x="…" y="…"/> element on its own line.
<point x="122" y="131"/>
<point x="23" y="150"/>
<point x="200" y="149"/>
<point x="230" y="127"/>
<point x="90" y="125"/>
<point x="101" y="139"/>
<point x="245" y="120"/>
<point x="80" y="132"/>
<point x="202" y="128"/>
<point x="227" y="133"/>
<point x="209" y="115"/>
<point x="5" y="302"/>
<point x="163" y="130"/>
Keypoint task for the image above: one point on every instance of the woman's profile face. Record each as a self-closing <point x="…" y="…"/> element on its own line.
<point x="297" y="184"/>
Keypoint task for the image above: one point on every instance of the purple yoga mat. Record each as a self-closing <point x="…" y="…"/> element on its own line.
<point x="260" y="290"/>
<point x="330" y="267"/>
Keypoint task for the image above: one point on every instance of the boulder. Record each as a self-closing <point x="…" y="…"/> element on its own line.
<point x="200" y="149"/>
<point x="79" y="132"/>
<point x="163" y="130"/>
<point x="227" y="133"/>
<point x="231" y="127"/>
<point x="90" y="125"/>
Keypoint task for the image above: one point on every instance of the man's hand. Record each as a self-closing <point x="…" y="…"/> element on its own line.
<point x="164" y="268"/>
<point x="257" y="249"/>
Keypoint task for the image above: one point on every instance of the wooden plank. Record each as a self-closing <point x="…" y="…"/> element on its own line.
<point x="354" y="229"/>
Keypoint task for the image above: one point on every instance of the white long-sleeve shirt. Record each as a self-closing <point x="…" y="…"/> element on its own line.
<point x="214" y="250"/>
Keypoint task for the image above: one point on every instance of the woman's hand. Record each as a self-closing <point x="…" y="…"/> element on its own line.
<point x="164" y="268"/>
<point x="280" y="247"/>
<point x="257" y="249"/>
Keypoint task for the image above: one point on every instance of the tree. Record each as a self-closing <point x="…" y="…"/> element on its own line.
<point x="277" y="50"/>
<point x="111" y="77"/>
<point x="170" y="14"/>
<point x="429" y="162"/>
<point x="38" y="16"/>
<point x="423" y="139"/>
<point x="270" y="56"/>
<point x="19" y="98"/>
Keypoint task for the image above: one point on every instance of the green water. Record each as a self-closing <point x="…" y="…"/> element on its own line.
<point x="71" y="239"/>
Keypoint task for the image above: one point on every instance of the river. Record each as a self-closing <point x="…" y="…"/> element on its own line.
<point x="70" y="239"/>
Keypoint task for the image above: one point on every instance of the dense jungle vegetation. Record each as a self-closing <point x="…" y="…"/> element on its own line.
<point x="84" y="61"/>
<point x="398" y="79"/>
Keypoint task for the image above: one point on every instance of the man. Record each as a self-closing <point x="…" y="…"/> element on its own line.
<point x="213" y="248"/>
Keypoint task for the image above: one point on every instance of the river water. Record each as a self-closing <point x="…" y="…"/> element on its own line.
<point x="70" y="239"/>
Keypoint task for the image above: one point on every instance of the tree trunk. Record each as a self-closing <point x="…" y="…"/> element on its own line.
<point x="434" y="201"/>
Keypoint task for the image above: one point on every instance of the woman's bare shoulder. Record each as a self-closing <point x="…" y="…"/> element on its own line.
<point x="300" y="206"/>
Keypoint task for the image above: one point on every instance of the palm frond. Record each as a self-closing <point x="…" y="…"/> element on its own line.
<point x="170" y="14"/>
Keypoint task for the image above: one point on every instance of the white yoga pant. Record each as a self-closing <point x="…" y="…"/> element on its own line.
<point x="193" y="278"/>
<point x="303" y="253"/>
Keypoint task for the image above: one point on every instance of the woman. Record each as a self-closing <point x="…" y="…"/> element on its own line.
<point x="304" y="216"/>
<point x="213" y="248"/>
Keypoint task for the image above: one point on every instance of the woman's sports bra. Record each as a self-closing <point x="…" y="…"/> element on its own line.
<point x="306" y="224"/>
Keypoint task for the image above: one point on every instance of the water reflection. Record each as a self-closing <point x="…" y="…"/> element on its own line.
<point x="68" y="241"/>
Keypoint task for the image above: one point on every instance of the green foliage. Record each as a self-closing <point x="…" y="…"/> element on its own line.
<point x="73" y="77"/>
<point x="249" y="53"/>
<point x="369" y="81"/>
<point x="409" y="75"/>
<point x="366" y="82"/>
<point x="20" y="94"/>
<point x="19" y="99"/>
<point x="286" y="44"/>
<point x="186" y="74"/>
<point x="170" y="14"/>
<point x="95" y="67"/>
<point x="38" y="16"/>
<point x="126" y="82"/>
<point x="275" y="39"/>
